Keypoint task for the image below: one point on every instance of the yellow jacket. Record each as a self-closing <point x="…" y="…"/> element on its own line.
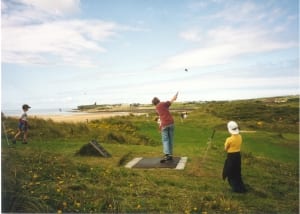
<point x="233" y="143"/>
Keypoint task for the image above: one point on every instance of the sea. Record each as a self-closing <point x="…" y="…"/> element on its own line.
<point x="32" y="111"/>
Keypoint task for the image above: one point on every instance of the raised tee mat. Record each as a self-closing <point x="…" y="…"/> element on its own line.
<point x="100" y="149"/>
<point x="150" y="163"/>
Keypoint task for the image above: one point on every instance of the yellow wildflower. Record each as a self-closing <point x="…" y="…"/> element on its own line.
<point x="77" y="204"/>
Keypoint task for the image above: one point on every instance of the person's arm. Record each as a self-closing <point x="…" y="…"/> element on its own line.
<point x="226" y="145"/>
<point x="174" y="98"/>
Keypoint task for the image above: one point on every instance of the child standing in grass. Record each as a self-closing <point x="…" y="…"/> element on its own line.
<point x="232" y="167"/>
<point x="166" y="126"/>
<point x="23" y="125"/>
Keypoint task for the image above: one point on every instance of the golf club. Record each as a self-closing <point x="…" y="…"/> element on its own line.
<point x="209" y="144"/>
<point x="4" y="129"/>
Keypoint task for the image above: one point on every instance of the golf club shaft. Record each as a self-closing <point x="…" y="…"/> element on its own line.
<point x="4" y="129"/>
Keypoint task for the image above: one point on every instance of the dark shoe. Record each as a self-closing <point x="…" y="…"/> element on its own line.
<point x="163" y="160"/>
<point x="166" y="158"/>
<point x="25" y="142"/>
<point x="14" y="141"/>
<point x="170" y="158"/>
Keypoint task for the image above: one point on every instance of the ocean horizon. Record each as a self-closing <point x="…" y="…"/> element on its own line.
<point x="48" y="111"/>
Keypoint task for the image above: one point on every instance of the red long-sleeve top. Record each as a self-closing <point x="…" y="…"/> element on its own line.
<point x="165" y="116"/>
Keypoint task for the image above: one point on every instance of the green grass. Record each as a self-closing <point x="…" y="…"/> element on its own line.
<point x="47" y="176"/>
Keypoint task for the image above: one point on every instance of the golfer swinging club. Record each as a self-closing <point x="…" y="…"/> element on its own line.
<point x="167" y="126"/>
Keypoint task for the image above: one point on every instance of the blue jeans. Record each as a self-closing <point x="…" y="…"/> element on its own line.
<point x="23" y="126"/>
<point x="167" y="134"/>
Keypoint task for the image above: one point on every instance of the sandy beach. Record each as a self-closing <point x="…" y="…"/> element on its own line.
<point x="80" y="117"/>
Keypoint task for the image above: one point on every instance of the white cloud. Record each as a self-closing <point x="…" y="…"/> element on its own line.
<point x="193" y="35"/>
<point x="34" y="33"/>
<point x="223" y="45"/>
<point x="237" y="30"/>
<point x="54" y="7"/>
<point x="62" y="39"/>
<point x="225" y="88"/>
<point x="37" y="32"/>
<point x="239" y="12"/>
<point x="21" y="58"/>
<point x="238" y="83"/>
<point x="22" y="12"/>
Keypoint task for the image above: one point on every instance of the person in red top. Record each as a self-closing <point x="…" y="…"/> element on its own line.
<point x="166" y="126"/>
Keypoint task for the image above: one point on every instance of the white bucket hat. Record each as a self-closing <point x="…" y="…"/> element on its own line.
<point x="233" y="127"/>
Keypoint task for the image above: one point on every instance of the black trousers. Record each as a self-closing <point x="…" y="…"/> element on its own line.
<point x="232" y="171"/>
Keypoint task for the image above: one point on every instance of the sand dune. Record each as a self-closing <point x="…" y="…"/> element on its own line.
<point x="81" y="117"/>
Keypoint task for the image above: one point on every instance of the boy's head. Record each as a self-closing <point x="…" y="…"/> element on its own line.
<point x="233" y="127"/>
<point x="25" y="107"/>
<point x="155" y="101"/>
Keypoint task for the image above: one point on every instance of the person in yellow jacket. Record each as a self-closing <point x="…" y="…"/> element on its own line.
<point x="232" y="166"/>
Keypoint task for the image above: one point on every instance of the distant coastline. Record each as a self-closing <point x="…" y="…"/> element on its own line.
<point x="66" y="115"/>
<point x="32" y="111"/>
<point x="124" y="109"/>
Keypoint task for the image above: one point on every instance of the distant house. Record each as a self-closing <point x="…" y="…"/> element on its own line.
<point x="281" y="100"/>
<point x="275" y="100"/>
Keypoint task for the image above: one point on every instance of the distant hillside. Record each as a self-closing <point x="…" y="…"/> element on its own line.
<point x="178" y="105"/>
<point x="277" y="114"/>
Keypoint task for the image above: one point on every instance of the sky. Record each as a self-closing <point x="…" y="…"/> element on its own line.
<point x="62" y="54"/>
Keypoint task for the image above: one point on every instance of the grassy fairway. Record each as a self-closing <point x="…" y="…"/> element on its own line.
<point x="47" y="176"/>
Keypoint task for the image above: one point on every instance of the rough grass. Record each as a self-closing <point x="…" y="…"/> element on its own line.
<point x="47" y="176"/>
